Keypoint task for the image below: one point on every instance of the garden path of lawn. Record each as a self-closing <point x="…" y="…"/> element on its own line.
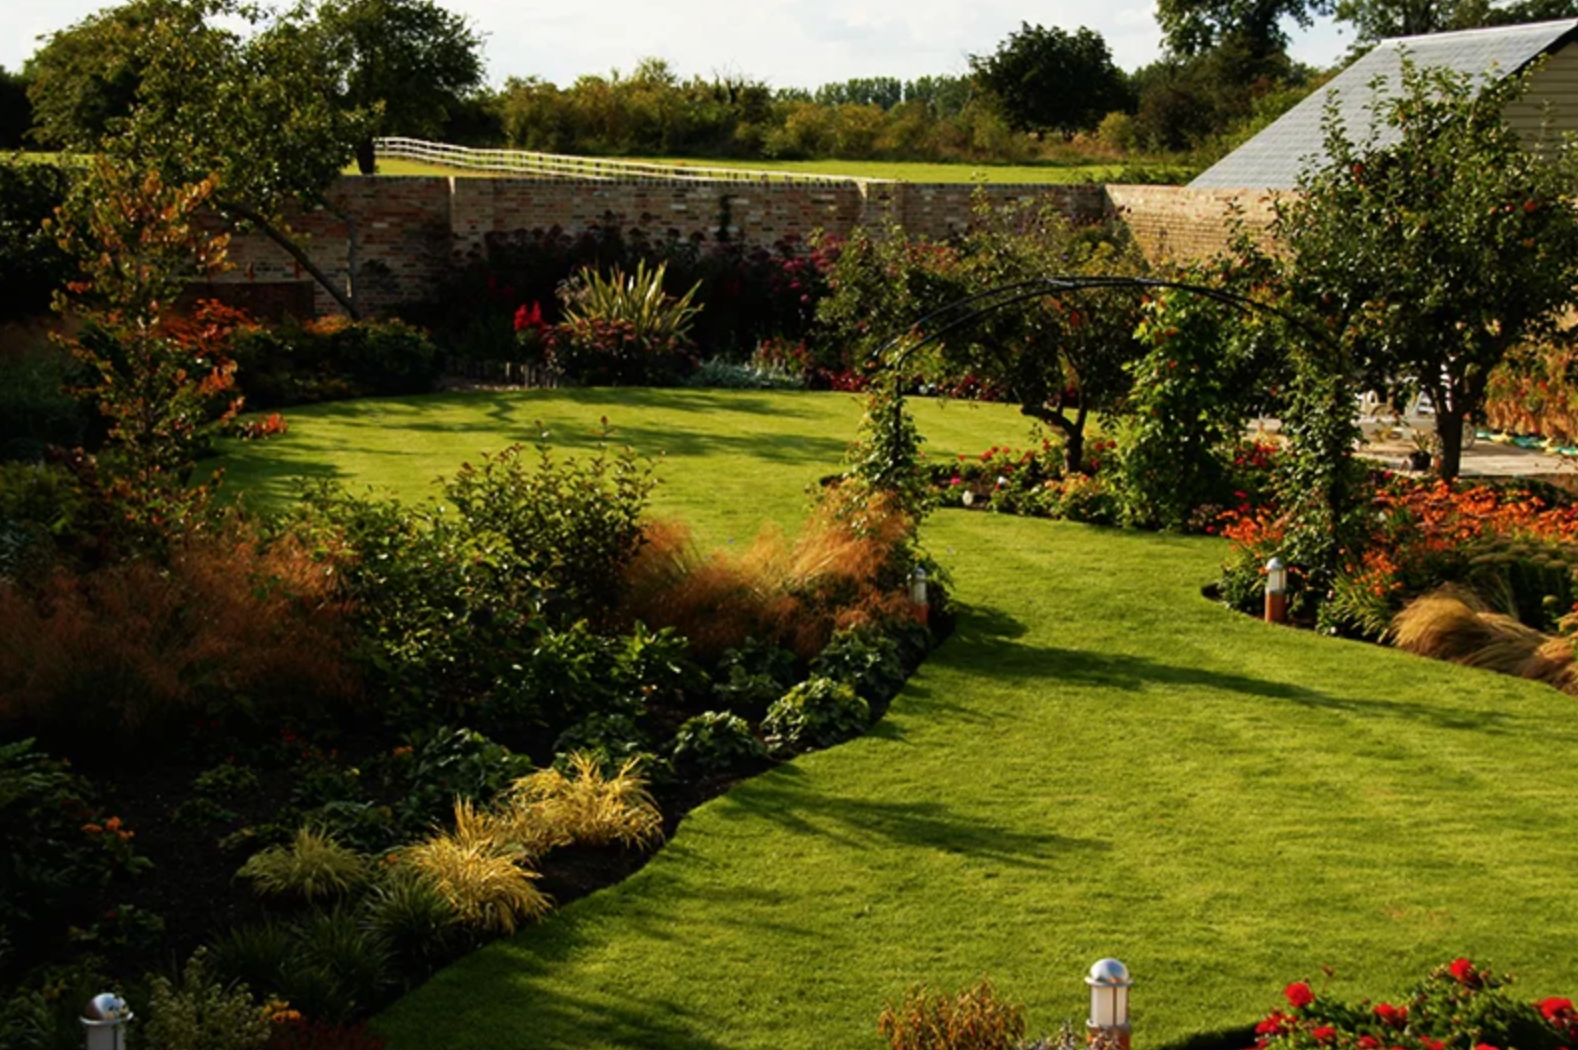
<point x="1098" y="762"/>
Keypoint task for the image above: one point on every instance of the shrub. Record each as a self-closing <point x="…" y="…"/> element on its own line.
<point x="1458" y="1004"/>
<point x="198" y="1012"/>
<point x="341" y="965"/>
<point x="232" y="626"/>
<point x="728" y="375"/>
<point x="300" y="1033"/>
<point x="481" y="869"/>
<point x="716" y="742"/>
<point x="431" y="769"/>
<point x="32" y="263"/>
<point x="1187" y="408"/>
<point x="313" y="867"/>
<point x="865" y="659"/>
<point x="584" y="807"/>
<point x="418" y="921"/>
<point x="975" y="1019"/>
<point x="37" y="407"/>
<point x="62" y="852"/>
<point x="623" y="329"/>
<point x="330" y="359"/>
<point x="818" y="712"/>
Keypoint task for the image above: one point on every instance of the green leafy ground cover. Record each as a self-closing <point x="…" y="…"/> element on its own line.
<point x="1098" y="762"/>
<point x="909" y="171"/>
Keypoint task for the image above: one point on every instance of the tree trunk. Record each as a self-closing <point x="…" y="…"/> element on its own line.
<point x="295" y="251"/>
<point x="1449" y="431"/>
<point x="366" y="157"/>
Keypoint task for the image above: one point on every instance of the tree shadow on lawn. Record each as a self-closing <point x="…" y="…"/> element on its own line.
<point x="984" y="644"/>
<point x="479" y="1003"/>
<point x="789" y="799"/>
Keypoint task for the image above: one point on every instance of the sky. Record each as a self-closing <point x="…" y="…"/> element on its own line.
<point x="787" y="43"/>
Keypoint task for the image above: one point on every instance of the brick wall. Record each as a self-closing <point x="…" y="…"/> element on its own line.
<point x="1178" y="224"/>
<point x="411" y="228"/>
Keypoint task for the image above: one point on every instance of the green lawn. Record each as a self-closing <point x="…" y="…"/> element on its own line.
<point x="1099" y="762"/>
<point x="866" y="169"/>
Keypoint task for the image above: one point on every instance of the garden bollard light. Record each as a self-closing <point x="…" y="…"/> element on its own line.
<point x="918" y="585"/>
<point x="1276" y="591"/>
<point x="1109" y="1004"/>
<point x="105" y="1019"/>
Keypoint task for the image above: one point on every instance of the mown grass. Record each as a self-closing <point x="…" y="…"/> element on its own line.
<point x="908" y="171"/>
<point x="1099" y="762"/>
<point x="726" y="460"/>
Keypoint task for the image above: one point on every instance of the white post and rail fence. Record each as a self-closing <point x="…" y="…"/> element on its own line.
<point x="559" y="166"/>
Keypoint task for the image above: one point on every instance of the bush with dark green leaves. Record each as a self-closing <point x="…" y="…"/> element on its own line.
<point x="58" y="853"/>
<point x="433" y="768"/>
<point x="817" y="713"/>
<point x="864" y="658"/>
<point x="293" y="363"/>
<point x="716" y="742"/>
<point x="32" y="263"/>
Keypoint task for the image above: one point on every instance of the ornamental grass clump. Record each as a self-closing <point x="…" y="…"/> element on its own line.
<point x="975" y="1019"/>
<point x="584" y="807"/>
<point x="483" y="871"/>
<point x="313" y="867"/>
<point x="1460" y="1005"/>
<point x="1454" y="624"/>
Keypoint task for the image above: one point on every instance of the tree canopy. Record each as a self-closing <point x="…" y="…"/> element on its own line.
<point x="1052" y="80"/>
<point x="1431" y="257"/>
<point x="411" y="61"/>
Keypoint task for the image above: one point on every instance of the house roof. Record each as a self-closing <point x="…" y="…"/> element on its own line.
<point x="1274" y="158"/>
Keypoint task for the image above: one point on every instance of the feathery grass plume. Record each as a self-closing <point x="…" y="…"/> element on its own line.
<point x="313" y="867"/>
<point x="482" y="870"/>
<point x="550" y="809"/>
<point x="847" y="568"/>
<point x="975" y="1019"/>
<point x="1454" y="624"/>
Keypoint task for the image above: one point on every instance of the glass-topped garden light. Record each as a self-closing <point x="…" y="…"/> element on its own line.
<point x="918" y="585"/>
<point x="1109" y="1003"/>
<point x="105" y="1019"/>
<point x="1276" y="591"/>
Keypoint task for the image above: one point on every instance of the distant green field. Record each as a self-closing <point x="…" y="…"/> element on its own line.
<point x="861" y="169"/>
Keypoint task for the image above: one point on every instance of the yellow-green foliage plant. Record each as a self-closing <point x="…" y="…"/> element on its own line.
<point x="975" y="1019"/>
<point x="637" y="299"/>
<point x="483" y="870"/>
<point x="200" y="1012"/>
<point x="313" y="867"/>
<point x="586" y="807"/>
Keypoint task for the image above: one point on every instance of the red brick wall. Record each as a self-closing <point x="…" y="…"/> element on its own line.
<point x="411" y="228"/>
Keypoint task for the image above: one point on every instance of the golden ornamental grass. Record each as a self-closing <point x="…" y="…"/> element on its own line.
<point x="482" y="871"/>
<point x="1455" y="625"/>
<point x="549" y="809"/>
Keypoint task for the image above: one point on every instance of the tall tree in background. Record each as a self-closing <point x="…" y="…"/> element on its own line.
<point x="1191" y="27"/>
<point x="1051" y="80"/>
<point x="1380" y="19"/>
<point x="255" y="115"/>
<point x="411" y="61"/>
<point x="87" y="75"/>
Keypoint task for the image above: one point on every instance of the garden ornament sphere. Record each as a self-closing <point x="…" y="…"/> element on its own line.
<point x="1108" y="972"/>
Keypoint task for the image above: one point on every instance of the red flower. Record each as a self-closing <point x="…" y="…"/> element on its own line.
<point x="1369" y="1042"/>
<point x="1431" y="1044"/>
<point x="528" y="317"/>
<point x="1463" y="970"/>
<point x="1278" y="1023"/>
<point x="1324" y="1034"/>
<point x="1484" y="1046"/>
<point x="1299" y="995"/>
<point x="1556" y="1009"/>
<point x="1396" y="1016"/>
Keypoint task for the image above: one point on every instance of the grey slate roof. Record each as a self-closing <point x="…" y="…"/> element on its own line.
<point x="1274" y="158"/>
